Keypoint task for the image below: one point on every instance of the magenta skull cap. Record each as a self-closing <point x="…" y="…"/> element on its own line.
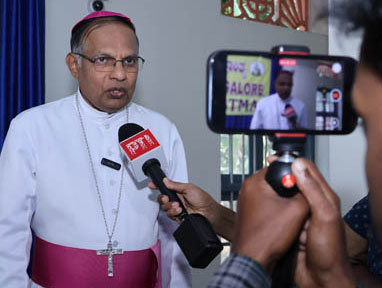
<point x="100" y="14"/>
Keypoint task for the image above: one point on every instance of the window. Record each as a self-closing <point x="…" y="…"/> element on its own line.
<point x="241" y="155"/>
<point x="292" y="14"/>
<point x="236" y="163"/>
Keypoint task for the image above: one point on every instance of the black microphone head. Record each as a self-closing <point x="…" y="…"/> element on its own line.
<point x="127" y="130"/>
<point x="290" y="114"/>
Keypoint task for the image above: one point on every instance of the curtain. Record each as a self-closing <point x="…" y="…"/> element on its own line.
<point x="22" y="36"/>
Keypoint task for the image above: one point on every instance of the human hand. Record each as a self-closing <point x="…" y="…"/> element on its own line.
<point x="267" y="224"/>
<point x="196" y="200"/>
<point x="364" y="277"/>
<point x="322" y="260"/>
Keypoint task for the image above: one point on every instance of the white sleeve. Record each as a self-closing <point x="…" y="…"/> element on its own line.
<point x="176" y="272"/>
<point x="257" y="122"/>
<point x="17" y="202"/>
<point x="304" y="120"/>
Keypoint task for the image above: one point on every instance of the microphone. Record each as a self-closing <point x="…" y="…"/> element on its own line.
<point x="145" y="156"/>
<point x="291" y="115"/>
<point x="195" y="235"/>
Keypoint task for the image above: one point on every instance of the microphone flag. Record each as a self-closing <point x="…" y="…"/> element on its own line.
<point x="139" y="148"/>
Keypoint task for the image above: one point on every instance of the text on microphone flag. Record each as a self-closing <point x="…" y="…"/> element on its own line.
<point x="289" y="111"/>
<point x="139" y="144"/>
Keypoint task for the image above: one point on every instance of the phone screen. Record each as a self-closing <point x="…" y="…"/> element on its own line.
<point x="262" y="93"/>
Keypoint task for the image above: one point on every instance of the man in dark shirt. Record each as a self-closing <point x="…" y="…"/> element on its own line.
<point x="266" y="225"/>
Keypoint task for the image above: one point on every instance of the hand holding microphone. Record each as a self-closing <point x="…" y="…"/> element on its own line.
<point x="291" y="115"/>
<point x="195" y="236"/>
<point x="196" y="200"/>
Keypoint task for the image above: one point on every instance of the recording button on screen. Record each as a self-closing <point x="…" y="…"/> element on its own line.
<point x="336" y="95"/>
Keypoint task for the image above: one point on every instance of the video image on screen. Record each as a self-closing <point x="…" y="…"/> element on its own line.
<point x="281" y="93"/>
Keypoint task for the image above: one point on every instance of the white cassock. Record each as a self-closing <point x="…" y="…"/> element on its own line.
<point x="46" y="183"/>
<point x="269" y="113"/>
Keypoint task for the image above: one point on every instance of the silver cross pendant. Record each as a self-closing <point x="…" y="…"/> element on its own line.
<point x="109" y="252"/>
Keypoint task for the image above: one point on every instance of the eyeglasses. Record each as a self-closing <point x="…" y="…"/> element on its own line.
<point x="107" y="63"/>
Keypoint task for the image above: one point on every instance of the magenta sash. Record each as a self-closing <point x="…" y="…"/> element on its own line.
<point x="62" y="267"/>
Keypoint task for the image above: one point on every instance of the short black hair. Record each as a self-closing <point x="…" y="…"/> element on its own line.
<point x="364" y="16"/>
<point x="290" y="73"/>
<point x="82" y="29"/>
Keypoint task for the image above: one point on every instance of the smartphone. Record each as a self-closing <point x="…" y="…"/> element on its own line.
<point x="262" y="93"/>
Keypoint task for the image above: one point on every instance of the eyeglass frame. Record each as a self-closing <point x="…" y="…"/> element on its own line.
<point x="93" y="61"/>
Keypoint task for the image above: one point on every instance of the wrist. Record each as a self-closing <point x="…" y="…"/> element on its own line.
<point x="223" y="221"/>
<point x="255" y="252"/>
<point x="341" y="282"/>
<point x="341" y="278"/>
<point x="213" y="212"/>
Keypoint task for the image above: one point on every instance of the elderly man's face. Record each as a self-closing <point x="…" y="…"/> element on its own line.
<point x="367" y="99"/>
<point x="107" y="91"/>
<point x="284" y="85"/>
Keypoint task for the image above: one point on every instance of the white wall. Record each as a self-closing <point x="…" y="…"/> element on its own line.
<point x="346" y="154"/>
<point x="176" y="38"/>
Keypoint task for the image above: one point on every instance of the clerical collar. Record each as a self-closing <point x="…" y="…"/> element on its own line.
<point x="286" y="101"/>
<point x="97" y="115"/>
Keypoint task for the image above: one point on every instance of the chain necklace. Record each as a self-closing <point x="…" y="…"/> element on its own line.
<point x="109" y="251"/>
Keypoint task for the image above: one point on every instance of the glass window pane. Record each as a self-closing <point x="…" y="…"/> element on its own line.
<point x="240" y="153"/>
<point x="292" y="14"/>
<point x="224" y="154"/>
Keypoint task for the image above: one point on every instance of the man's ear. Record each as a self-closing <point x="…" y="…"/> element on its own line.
<point x="72" y="63"/>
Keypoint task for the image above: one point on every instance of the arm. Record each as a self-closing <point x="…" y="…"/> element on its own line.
<point x="176" y="271"/>
<point x="256" y="122"/>
<point x="17" y="201"/>
<point x="260" y="237"/>
<point x="224" y="222"/>
<point x="322" y="260"/>
<point x="303" y="123"/>
<point x="262" y="217"/>
<point x="196" y="200"/>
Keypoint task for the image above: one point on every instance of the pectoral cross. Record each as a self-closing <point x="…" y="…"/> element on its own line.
<point x="109" y="252"/>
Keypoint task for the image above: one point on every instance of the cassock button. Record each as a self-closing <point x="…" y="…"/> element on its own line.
<point x="115" y="243"/>
<point x="109" y="152"/>
<point x="107" y="125"/>
<point x="112" y="182"/>
<point x="114" y="211"/>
